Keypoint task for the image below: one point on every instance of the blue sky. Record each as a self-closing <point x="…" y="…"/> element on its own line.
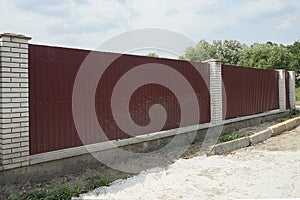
<point x="88" y="23"/>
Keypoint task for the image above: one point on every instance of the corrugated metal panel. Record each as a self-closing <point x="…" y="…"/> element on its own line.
<point x="52" y="74"/>
<point x="150" y="94"/>
<point x="248" y="91"/>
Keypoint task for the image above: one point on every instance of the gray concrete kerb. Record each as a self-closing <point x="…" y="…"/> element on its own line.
<point x="256" y="138"/>
<point x="260" y="136"/>
<point x="277" y="129"/>
<point x="229" y="146"/>
<point x="291" y="123"/>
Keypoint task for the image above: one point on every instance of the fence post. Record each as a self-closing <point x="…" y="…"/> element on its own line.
<point x="292" y="89"/>
<point x="216" y="107"/>
<point x="14" y="95"/>
<point x="282" y="92"/>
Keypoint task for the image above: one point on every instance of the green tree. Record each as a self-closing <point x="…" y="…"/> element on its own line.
<point x="266" y="56"/>
<point x="152" y="55"/>
<point x="201" y="52"/>
<point x="295" y="54"/>
<point x="228" y="52"/>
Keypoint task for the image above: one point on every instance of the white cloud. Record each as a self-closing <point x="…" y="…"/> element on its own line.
<point x="87" y="23"/>
<point x="278" y="12"/>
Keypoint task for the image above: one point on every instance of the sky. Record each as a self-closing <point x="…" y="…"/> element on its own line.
<point x="88" y="23"/>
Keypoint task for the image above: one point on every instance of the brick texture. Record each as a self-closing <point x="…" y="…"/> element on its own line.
<point x="216" y="92"/>
<point x="281" y="85"/>
<point x="14" y="109"/>
<point x="292" y="88"/>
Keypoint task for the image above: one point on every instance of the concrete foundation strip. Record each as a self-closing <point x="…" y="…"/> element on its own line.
<point x="261" y="136"/>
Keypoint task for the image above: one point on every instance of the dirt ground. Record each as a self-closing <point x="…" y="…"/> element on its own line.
<point x="89" y="175"/>
<point x="268" y="170"/>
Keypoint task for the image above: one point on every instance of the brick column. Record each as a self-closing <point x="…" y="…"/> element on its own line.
<point x="292" y="87"/>
<point x="216" y="107"/>
<point x="14" y="95"/>
<point x="282" y="93"/>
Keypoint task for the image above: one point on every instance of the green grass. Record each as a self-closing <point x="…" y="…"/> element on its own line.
<point x="230" y="137"/>
<point x="100" y="182"/>
<point x="64" y="192"/>
<point x="298" y="94"/>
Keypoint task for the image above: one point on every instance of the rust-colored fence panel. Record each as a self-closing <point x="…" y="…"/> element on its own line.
<point x="287" y="90"/>
<point x="248" y="91"/>
<point x="53" y="72"/>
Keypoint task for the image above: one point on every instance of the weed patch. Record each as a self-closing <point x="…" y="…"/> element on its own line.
<point x="61" y="193"/>
<point x="230" y="137"/>
<point x="294" y="112"/>
<point x="100" y="182"/>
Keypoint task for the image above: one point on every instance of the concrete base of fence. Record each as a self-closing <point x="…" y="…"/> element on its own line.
<point x="58" y="163"/>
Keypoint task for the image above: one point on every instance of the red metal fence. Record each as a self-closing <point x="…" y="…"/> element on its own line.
<point x="52" y="75"/>
<point x="248" y="91"/>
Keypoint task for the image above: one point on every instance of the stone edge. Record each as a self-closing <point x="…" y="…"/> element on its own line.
<point x="256" y="138"/>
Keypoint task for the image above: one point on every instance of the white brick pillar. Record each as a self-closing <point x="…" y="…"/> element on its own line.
<point x="216" y="107"/>
<point x="282" y="93"/>
<point x="292" y="88"/>
<point x="14" y="95"/>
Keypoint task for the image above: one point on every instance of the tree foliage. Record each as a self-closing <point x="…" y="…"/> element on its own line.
<point x="266" y="56"/>
<point x="295" y="57"/>
<point x="201" y="52"/>
<point x="152" y="55"/>
<point x="228" y="52"/>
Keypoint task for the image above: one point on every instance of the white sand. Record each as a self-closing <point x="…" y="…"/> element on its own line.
<point x="270" y="170"/>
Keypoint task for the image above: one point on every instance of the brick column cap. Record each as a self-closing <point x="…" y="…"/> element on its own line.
<point x="15" y="35"/>
<point x="212" y="60"/>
